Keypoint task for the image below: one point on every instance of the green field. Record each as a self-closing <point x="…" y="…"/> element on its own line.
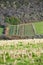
<point x="21" y="54"/>
<point x="1" y="30"/>
<point x="12" y="30"/>
<point x="28" y="30"/>
<point x="21" y="30"/>
<point x="38" y="27"/>
<point x="24" y="29"/>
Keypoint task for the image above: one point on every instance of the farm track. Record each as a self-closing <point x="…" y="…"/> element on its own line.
<point x="24" y="41"/>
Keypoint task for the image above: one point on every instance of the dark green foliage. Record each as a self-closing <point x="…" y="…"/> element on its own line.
<point x="12" y="20"/>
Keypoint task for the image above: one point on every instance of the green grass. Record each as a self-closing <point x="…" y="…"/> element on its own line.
<point x="39" y="27"/>
<point x="1" y="31"/>
<point x="28" y="30"/>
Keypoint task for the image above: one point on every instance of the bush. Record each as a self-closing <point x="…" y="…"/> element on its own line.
<point x="12" y="20"/>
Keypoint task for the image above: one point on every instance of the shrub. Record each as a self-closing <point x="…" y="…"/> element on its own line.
<point x="12" y="20"/>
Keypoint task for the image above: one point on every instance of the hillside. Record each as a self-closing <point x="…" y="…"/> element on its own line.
<point x="25" y="10"/>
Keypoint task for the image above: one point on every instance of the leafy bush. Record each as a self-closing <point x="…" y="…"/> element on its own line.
<point x="12" y="20"/>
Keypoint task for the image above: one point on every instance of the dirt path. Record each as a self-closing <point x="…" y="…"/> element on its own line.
<point x="24" y="41"/>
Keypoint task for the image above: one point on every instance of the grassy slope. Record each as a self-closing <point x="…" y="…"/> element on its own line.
<point x="39" y="27"/>
<point x="1" y="31"/>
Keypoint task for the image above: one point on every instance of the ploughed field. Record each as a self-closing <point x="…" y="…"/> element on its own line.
<point x="19" y="53"/>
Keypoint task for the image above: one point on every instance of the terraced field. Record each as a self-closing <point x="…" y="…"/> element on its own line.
<point x="20" y="53"/>
<point x="24" y="30"/>
<point x="21" y="30"/>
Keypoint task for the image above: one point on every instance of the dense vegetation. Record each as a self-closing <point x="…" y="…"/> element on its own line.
<point x="12" y="20"/>
<point x="18" y="3"/>
<point x="25" y="10"/>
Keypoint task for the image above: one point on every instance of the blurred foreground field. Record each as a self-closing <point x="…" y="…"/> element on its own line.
<point x="21" y="52"/>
